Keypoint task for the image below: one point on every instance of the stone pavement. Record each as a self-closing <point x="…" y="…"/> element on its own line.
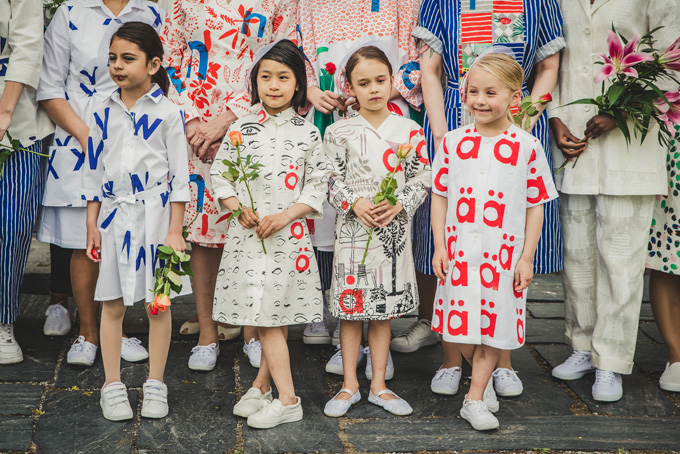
<point x="48" y="406"/>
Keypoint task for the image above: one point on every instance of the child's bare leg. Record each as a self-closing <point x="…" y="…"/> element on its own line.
<point x="379" y="344"/>
<point x="250" y="332"/>
<point x="205" y="262"/>
<point x="452" y="355"/>
<point x="84" y="273"/>
<point x="350" y="342"/>
<point x="263" y="380"/>
<point x="275" y="350"/>
<point x="111" y="332"/>
<point x="483" y="365"/>
<point x="504" y="360"/>
<point x="467" y="350"/>
<point x="160" y="327"/>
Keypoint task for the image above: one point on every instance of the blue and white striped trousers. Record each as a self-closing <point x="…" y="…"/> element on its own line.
<point x="21" y="187"/>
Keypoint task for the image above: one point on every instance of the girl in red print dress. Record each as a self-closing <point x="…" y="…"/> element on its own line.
<point x="490" y="179"/>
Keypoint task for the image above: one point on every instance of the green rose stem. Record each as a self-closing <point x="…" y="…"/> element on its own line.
<point x="15" y="146"/>
<point x="245" y="180"/>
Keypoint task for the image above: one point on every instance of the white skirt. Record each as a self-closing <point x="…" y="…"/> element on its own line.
<point x="63" y="226"/>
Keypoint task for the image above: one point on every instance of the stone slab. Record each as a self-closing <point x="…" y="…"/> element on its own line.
<point x="315" y="433"/>
<point x="544" y="331"/>
<point x="200" y="421"/>
<point x="179" y="376"/>
<point x="641" y="396"/>
<point x="16" y="433"/>
<point x="73" y="423"/>
<point x="19" y="399"/>
<point x="650" y="356"/>
<point x="651" y="330"/>
<point x="546" y="310"/>
<point x="546" y="287"/>
<point x="40" y="356"/>
<point x="577" y="433"/>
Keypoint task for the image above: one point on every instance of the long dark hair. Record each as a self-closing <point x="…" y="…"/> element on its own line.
<point x="146" y="38"/>
<point x="287" y="53"/>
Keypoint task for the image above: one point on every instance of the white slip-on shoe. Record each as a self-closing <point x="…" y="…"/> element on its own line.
<point x="507" y="383"/>
<point x="670" y="379"/>
<point x="58" y="321"/>
<point x="419" y="334"/>
<point x="155" y="403"/>
<point x="490" y="399"/>
<point x="335" y="340"/>
<point x="114" y="402"/>
<point x="334" y="365"/>
<point x="10" y="352"/>
<point x="338" y="407"/>
<point x="396" y="406"/>
<point x="253" y="351"/>
<point x="132" y="350"/>
<point x="446" y="381"/>
<point x="316" y="334"/>
<point x="478" y="415"/>
<point x="608" y="386"/>
<point x="252" y="402"/>
<point x="389" y="369"/>
<point x="574" y="367"/>
<point x="81" y="353"/>
<point x="204" y="357"/>
<point x="275" y="413"/>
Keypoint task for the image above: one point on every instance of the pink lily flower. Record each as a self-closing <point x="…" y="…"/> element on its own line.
<point x="621" y="59"/>
<point x="671" y="58"/>
<point x="669" y="114"/>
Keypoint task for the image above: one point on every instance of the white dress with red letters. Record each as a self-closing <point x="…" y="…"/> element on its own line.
<point x="489" y="182"/>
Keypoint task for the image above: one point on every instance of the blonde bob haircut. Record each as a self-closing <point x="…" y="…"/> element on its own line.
<point x="502" y="66"/>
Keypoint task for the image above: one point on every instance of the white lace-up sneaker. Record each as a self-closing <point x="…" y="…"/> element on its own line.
<point x="608" y="386"/>
<point x="334" y="365"/>
<point x="58" y="321"/>
<point x="132" y="350"/>
<point x="446" y="381"/>
<point x="490" y="399"/>
<point x="253" y="351"/>
<point x="336" y="334"/>
<point x="82" y="353"/>
<point x="114" y="402"/>
<point x="10" y="352"/>
<point x="478" y="415"/>
<point x="155" y="403"/>
<point x="507" y="383"/>
<point x="389" y="370"/>
<point x="204" y="357"/>
<point x="419" y="334"/>
<point x="316" y="333"/>
<point x="574" y="367"/>
<point x="670" y="379"/>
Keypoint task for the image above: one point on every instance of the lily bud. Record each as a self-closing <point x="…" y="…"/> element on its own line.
<point x="236" y="138"/>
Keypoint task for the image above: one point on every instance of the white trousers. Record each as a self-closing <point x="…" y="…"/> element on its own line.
<point x="605" y="246"/>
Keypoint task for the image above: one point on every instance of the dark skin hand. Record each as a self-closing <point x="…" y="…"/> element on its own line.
<point x="570" y="145"/>
<point x="598" y="125"/>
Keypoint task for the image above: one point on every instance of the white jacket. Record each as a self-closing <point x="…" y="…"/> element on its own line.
<point x="608" y="166"/>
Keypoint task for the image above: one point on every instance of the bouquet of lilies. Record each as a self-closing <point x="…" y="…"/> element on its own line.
<point x="388" y="188"/>
<point x="13" y="147"/>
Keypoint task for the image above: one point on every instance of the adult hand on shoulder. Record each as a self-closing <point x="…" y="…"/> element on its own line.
<point x="598" y="125"/>
<point x="271" y="224"/>
<point x="324" y="101"/>
<point x="524" y="274"/>
<point x="384" y="212"/>
<point x="570" y="145"/>
<point x="362" y="208"/>
<point x="248" y="218"/>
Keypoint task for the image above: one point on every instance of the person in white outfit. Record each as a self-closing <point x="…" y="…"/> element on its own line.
<point x="607" y="197"/>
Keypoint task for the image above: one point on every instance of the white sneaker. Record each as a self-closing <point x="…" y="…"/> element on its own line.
<point x="490" y="399"/>
<point x="336" y="334"/>
<point x="275" y="413"/>
<point x="253" y="351"/>
<point x="389" y="370"/>
<point x="507" y="383"/>
<point x="574" y="367"/>
<point x="114" y="402"/>
<point x="419" y="334"/>
<point x="478" y="415"/>
<point x="446" y="381"/>
<point x="132" y="350"/>
<point x="58" y="321"/>
<point x="670" y="379"/>
<point x="334" y="365"/>
<point x="204" y="357"/>
<point x="608" y="386"/>
<point x="10" y="352"/>
<point x="252" y="402"/>
<point x="82" y="353"/>
<point x="155" y="403"/>
<point x="316" y="333"/>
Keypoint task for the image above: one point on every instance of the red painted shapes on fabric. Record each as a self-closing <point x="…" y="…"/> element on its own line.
<point x="419" y="154"/>
<point x="291" y="178"/>
<point x="386" y="160"/>
<point x="302" y="261"/>
<point x="501" y="147"/>
<point x="505" y="253"/>
<point x="459" y="273"/>
<point x="350" y="280"/>
<point x="520" y="327"/>
<point x="469" y="202"/>
<point x="438" y="319"/>
<point x="462" y="316"/>
<point x="355" y="298"/>
<point x="491" y="283"/>
<point x="204" y="224"/>
<point x="310" y="226"/>
<point x="473" y="151"/>
<point x="437" y="179"/>
<point x="451" y="243"/>
<point x="297" y="230"/>
<point x="491" y="208"/>
<point x="541" y="192"/>
<point x="532" y="158"/>
<point x="490" y="329"/>
<point x="392" y="107"/>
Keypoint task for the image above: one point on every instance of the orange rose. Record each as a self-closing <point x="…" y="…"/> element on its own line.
<point x="236" y="138"/>
<point x="404" y="150"/>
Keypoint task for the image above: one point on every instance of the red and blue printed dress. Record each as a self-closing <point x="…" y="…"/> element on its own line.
<point x="489" y="183"/>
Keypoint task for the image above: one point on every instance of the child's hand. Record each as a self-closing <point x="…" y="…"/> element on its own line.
<point x="524" y="274"/>
<point x="175" y="241"/>
<point x="271" y="224"/>
<point x="440" y="263"/>
<point x="248" y="218"/>
<point x="363" y="209"/>
<point x="93" y="244"/>
<point x="384" y="212"/>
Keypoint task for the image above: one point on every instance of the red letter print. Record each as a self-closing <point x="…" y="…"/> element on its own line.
<point x="297" y="230"/>
<point x="494" y="211"/>
<point x="438" y="319"/>
<point x="386" y="160"/>
<point x="451" y="243"/>
<point x="437" y="179"/>
<point x="302" y="261"/>
<point x="291" y="178"/>
<point x="489" y="330"/>
<point x="520" y="326"/>
<point x="355" y="297"/>
<point x="459" y="273"/>
<point x="514" y="152"/>
<point x="538" y="184"/>
<point x="495" y="276"/>
<point x="469" y="215"/>
<point x="473" y="146"/>
<point x="462" y="329"/>
<point x="505" y="253"/>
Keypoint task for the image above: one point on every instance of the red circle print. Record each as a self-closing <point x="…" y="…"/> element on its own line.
<point x="344" y="204"/>
<point x="291" y="180"/>
<point x="350" y="280"/>
<point x="297" y="230"/>
<point x="302" y="263"/>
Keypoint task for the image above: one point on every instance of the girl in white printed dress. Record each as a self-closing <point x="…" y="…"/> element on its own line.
<point x="362" y="149"/>
<point x="136" y="184"/>
<point x="490" y="180"/>
<point x="268" y="275"/>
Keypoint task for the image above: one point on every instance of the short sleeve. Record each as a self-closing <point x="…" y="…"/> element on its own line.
<point x="550" y="36"/>
<point x="317" y="167"/>
<point x="56" y="58"/>
<point x="94" y="167"/>
<point x="440" y="168"/>
<point x="431" y="27"/>
<point x="26" y="42"/>
<point x="540" y="185"/>
<point x="341" y="196"/>
<point x="418" y="174"/>
<point x="178" y="161"/>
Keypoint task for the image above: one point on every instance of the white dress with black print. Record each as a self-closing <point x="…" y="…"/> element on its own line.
<point x="281" y="287"/>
